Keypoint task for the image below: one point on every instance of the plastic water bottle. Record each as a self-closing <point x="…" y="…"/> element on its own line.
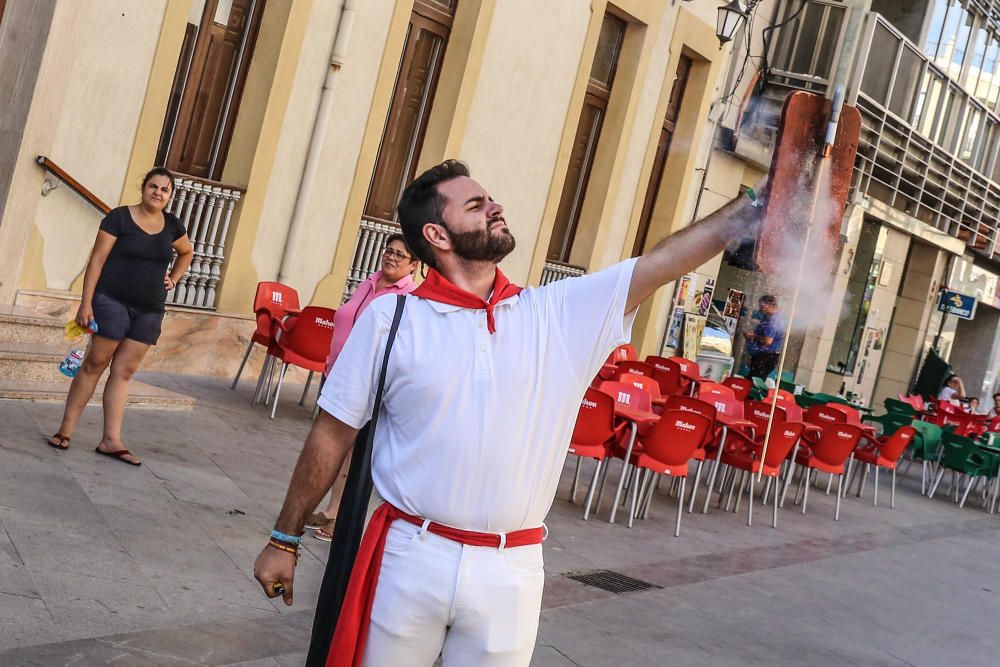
<point x="71" y="363"/>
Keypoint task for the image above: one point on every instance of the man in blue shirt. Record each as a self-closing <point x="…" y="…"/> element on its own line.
<point x="764" y="341"/>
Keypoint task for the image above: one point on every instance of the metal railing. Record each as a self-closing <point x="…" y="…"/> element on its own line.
<point x="928" y="147"/>
<point x="205" y="208"/>
<point x="367" y="252"/>
<point x="74" y="185"/>
<point x="553" y="271"/>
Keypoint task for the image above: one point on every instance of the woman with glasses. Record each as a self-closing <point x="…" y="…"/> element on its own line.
<point x="395" y="277"/>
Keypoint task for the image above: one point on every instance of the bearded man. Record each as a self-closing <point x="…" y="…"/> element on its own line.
<point x="483" y="385"/>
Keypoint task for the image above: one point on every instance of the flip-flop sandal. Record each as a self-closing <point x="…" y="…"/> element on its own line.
<point x="324" y="534"/>
<point x="317" y="520"/>
<point x="119" y="454"/>
<point x="63" y="441"/>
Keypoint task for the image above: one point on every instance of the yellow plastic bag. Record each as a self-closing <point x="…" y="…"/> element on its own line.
<point x="73" y="330"/>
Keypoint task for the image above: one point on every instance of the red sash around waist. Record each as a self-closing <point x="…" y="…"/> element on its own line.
<point x="348" y="646"/>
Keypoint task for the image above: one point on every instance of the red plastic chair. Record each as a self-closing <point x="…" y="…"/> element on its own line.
<point x="633" y="400"/>
<point x="786" y="400"/>
<point x="783" y="440"/>
<point x="628" y="395"/>
<point x="621" y="353"/>
<point x="667" y="448"/>
<point x="669" y="376"/>
<point x="740" y="385"/>
<point x="916" y="401"/>
<point x="829" y="455"/>
<point x="706" y="389"/>
<point x="709" y="446"/>
<point x="271" y="302"/>
<point x="595" y="431"/>
<point x="883" y="453"/>
<point x="632" y="368"/>
<point x="647" y="384"/>
<point x="689" y="368"/>
<point x="302" y="341"/>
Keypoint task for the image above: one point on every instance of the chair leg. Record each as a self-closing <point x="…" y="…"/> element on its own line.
<point x="750" y="502"/>
<point x="732" y="484"/>
<point x="840" y="485"/>
<point x="270" y="381"/>
<point x="864" y="480"/>
<point x="309" y="379"/>
<point x="258" y="393"/>
<point x="647" y="501"/>
<point x="972" y="480"/>
<point x="680" y="509"/>
<point x="739" y="492"/>
<point x="239" y="371"/>
<point x="694" y="487"/>
<point x="774" y="512"/>
<point x="277" y="390"/>
<point x="892" y="492"/>
<point x="829" y="483"/>
<point x="937" y="480"/>
<point x="600" y="490"/>
<point x="711" y="480"/>
<point x="767" y="490"/>
<point x="788" y="479"/>
<point x="576" y="480"/>
<point x="875" y="492"/>
<point x="621" y="480"/>
<point x="590" y="491"/>
<point x="636" y="483"/>
<point x="923" y="478"/>
<point x="805" y="495"/>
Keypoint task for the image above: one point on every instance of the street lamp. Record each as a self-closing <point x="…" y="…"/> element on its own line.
<point x="728" y="21"/>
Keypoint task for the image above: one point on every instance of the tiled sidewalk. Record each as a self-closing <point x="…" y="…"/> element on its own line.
<point x="101" y="563"/>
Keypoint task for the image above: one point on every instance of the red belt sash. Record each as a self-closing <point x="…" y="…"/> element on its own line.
<point x="348" y="646"/>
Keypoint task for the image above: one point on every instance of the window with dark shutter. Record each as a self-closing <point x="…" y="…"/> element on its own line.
<point x="662" y="152"/>
<point x="588" y="133"/>
<point x="207" y="88"/>
<point x="412" y="98"/>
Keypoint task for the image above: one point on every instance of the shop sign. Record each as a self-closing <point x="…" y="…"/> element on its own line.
<point x="957" y="304"/>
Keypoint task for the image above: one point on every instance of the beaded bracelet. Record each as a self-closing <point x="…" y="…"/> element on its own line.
<point x="284" y="547"/>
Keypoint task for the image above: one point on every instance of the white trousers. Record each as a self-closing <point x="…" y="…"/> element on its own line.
<point x="471" y="605"/>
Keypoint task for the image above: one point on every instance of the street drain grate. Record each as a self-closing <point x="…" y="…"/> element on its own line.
<point x="612" y="581"/>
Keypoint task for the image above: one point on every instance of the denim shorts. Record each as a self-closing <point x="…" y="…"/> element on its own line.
<point x="117" y="321"/>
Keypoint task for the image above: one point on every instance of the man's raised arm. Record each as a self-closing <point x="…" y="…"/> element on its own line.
<point x="689" y="248"/>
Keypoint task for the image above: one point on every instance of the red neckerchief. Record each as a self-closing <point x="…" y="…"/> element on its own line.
<point x="438" y="288"/>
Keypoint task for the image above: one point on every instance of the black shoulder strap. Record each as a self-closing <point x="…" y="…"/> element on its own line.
<point x="351" y="516"/>
<point x="396" y="317"/>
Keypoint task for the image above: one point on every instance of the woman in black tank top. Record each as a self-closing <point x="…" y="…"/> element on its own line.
<point x="125" y="288"/>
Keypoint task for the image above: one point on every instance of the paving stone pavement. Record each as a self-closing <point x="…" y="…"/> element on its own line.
<point x="102" y="563"/>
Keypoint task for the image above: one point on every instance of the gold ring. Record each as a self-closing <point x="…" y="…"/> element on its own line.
<point x="278" y="588"/>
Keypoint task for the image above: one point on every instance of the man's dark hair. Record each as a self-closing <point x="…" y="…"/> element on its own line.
<point x="422" y="204"/>
<point x="769" y="300"/>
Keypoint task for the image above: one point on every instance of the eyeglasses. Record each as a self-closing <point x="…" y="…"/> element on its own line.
<point x="392" y="253"/>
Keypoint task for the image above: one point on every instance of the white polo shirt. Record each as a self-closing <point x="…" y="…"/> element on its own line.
<point x="474" y="427"/>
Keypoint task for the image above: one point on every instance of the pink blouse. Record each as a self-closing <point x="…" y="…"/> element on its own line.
<point x="348" y="314"/>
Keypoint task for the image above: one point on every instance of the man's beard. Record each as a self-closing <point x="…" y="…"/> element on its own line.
<point x="482" y="245"/>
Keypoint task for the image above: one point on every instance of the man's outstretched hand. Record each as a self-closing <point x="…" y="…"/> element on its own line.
<point x="274" y="567"/>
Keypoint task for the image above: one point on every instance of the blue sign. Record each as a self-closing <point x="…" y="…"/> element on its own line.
<point x="957" y="304"/>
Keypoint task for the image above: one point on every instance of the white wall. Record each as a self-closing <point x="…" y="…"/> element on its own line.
<point x="520" y="110"/>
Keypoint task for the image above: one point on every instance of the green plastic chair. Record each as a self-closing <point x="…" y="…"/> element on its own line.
<point x="964" y="458"/>
<point x="897" y="406"/>
<point x="830" y="398"/>
<point x="926" y="448"/>
<point x="890" y="421"/>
